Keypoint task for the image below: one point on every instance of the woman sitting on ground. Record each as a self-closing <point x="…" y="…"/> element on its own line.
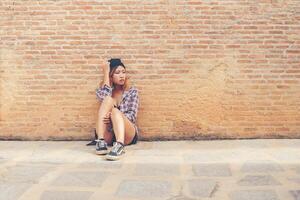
<point x="116" y="122"/>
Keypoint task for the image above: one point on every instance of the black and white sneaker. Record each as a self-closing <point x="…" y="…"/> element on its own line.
<point x="116" y="152"/>
<point x="101" y="147"/>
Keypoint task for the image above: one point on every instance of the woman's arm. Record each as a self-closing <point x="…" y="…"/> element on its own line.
<point x="105" y="88"/>
<point x="105" y="79"/>
<point x="105" y="70"/>
<point x="103" y="91"/>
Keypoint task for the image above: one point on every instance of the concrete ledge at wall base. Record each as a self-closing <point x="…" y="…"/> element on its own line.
<point x="156" y="138"/>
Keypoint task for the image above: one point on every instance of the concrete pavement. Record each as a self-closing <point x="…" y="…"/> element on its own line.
<point x="255" y="169"/>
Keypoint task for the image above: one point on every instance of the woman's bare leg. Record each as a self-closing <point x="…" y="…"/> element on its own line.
<point x="123" y="127"/>
<point x="108" y="136"/>
<point x="101" y="128"/>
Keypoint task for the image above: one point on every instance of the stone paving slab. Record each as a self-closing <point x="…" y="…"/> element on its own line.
<point x="157" y="170"/>
<point x="295" y="194"/>
<point x="294" y="180"/>
<point x="215" y="169"/>
<point x="29" y="173"/>
<point x="201" y="188"/>
<point x="258" y="180"/>
<point x="81" y="179"/>
<point x="254" y="195"/>
<point x="261" y="166"/>
<point x="144" y="188"/>
<point x="65" y="195"/>
<point x="12" y="191"/>
<point x="262" y="169"/>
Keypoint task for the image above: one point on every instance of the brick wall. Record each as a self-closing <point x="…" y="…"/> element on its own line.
<point x="204" y="69"/>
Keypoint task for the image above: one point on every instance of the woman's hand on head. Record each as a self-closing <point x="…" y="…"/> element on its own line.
<point x="107" y="118"/>
<point x="105" y="67"/>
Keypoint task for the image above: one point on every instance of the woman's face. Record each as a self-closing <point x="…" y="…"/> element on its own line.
<point x="119" y="75"/>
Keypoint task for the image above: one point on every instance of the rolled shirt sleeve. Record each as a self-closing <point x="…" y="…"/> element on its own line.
<point x="103" y="91"/>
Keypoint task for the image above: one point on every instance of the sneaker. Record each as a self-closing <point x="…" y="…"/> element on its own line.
<point x="116" y="152"/>
<point x="101" y="147"/>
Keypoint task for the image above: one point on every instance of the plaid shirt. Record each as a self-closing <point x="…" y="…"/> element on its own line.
<point x="128" y="105"/>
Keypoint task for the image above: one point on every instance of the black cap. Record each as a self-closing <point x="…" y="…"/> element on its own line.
<point x="115" y="62"/>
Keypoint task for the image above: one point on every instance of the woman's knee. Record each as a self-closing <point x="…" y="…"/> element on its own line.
<point x="107" y="101"/>
<point x="114" y="111"/>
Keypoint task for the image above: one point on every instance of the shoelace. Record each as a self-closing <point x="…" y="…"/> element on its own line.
<point x="98" y="142"/>
<point x="116" y="147"/>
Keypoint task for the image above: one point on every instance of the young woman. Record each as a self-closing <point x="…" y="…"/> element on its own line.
<point x="116" y="122"/>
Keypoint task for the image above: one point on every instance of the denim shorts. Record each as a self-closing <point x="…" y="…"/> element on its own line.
<point x="111" y="130"/>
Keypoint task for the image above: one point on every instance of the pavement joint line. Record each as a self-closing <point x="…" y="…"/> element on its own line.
<point x="36" y="190"/>
<point x="111" y="184"/>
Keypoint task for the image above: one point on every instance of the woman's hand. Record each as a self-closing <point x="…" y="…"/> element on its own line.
<point x="107" y="119"/>
<point x="105" y="67"/>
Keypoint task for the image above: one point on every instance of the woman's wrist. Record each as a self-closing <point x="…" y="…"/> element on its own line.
<point x="105" y="78"/>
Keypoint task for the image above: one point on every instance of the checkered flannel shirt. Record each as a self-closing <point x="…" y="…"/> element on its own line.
<point x="129" y="103"/>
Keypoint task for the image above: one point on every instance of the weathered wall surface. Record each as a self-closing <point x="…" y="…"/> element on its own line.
<point x="204" y="69"/>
